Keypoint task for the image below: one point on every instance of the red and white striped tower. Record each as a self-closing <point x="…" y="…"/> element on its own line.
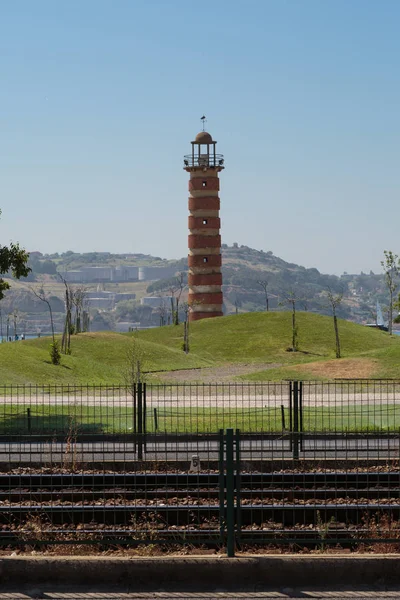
<point x="205" y="278"/>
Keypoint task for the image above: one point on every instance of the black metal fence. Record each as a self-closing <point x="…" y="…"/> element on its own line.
<point x="303" y="463"/>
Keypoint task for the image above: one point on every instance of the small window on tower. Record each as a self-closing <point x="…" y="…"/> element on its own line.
<point x="204" y="183"/>
<point x="205" y="221"/>
<point x="205" y="259"/>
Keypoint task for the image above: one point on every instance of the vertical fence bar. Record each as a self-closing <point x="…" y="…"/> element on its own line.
<point x="134" y="397"/>
<point x="29" y="417"/>
<point x="291" y="413"/>
<point x="301" y="414"/>
<point x="144" y="416"/>
<point x="230" y="494"/>
<point x="295" y="434"/>
<point x="140" y="420"/>
<point x="221" y="481"/>
<point x="238" y="488"/>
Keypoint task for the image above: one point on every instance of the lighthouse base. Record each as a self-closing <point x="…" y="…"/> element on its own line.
<point x="196" y="316"/>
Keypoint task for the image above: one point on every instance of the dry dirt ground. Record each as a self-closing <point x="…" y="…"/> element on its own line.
<point x="216" y="374"/>
<point x="344" y="368"/>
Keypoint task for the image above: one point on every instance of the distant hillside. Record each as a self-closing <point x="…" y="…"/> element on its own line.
<point x="245" y="271"/>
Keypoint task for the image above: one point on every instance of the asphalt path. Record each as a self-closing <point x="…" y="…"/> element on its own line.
<point x="367" y="448"/>
<point x="235" y="398"/>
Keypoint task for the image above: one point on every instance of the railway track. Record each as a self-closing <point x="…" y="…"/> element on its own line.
<point x="274" y="507"/>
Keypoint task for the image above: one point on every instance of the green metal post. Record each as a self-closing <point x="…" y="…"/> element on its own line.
<point x="140" y="420"/>
<point x="230" y="494"/>
<point x="301" y="425"/>
<point x="221" y="479"/>
<point x="295" y="420"/>
<point x="145" y="416"/>
<point x="238" y="488"/>
<point x="134" y="394"/>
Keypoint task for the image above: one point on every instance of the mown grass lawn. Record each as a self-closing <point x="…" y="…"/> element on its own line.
<point x="71" y="421"/>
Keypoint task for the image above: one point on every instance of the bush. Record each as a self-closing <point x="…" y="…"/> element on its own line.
<point x="55" y="354"/>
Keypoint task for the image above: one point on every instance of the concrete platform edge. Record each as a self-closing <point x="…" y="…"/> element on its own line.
<point x="247" y="573"/>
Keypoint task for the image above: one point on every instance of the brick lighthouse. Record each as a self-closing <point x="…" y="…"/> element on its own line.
<point x="205" y="278"/>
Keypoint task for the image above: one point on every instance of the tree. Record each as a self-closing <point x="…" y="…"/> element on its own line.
<point x="177" y="289"/>
<point x="14" y="259"/>
<point x="335" y="301"/>
<point x="264" y="285"/>
<point x="162" y="311"/>
<point x="41" y="295"/>
<point x="16" y="320"/>
<point x="391" y="270"/>
<point x="79" y="301"/>
<point x="291" y="299"/>
<point x="135" y="358"/>
<point x="66" y="337"/>
<point x="186" y="309"/>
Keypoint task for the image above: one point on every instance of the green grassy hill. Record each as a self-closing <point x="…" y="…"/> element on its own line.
<point x="252" y="339"/>
<point x="261" y="337"/>
<point x="97" y="358"/>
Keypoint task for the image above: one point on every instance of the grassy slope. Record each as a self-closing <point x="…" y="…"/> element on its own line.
<point x="96" y="358"/>
<point x="249" y="338"/>
<point x="265" y="337"/>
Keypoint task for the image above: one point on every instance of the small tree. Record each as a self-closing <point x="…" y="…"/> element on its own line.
<point x="55" y="354"/>
<point x="175" y="299"/>
<point x="291" y="300"/>
<point x="78" y="300"/>
<point x="264" y="284"/>
<point x="162" y="311"/>
<point x="135" y="358"/>
<point x="66" y="337"/>
<point x="186" y="309"/>
<point x="16" y="319"/>
<point x="42" y="296"/>
<point x="334" y="302"/>
<point x="391" y="269"/>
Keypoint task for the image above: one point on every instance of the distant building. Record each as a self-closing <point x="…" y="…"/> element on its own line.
<point x="125" y="326"/>
<point x="118" y="274"/>
<point x="154" y="273"/>
<point x="156" y="301"/>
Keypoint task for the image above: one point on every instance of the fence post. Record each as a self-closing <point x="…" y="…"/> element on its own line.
<point x="134" y="394"/>
<point x="140" y="420"/>
<point x="301" y="414"/>
<point x="238" y="489"/>
<point x="295" y="433"/>
<point x="28" y="414"/>
<point x="291" y="414"/>
<point x="230" y="494"/>
<point x="145" y="416"/>
<point x="155" y="420"/>
<point x="221" y="481"/>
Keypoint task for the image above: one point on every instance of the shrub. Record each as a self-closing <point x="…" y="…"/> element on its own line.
<point x="55" y="353"/>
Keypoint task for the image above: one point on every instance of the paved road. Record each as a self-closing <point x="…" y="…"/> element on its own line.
<point x="370" y="448"/>
<point x="199" y="397"/>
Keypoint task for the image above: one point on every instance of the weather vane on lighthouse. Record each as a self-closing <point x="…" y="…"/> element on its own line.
<point x="203" y="121"/>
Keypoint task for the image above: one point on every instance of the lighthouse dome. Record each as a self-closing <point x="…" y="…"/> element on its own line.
<point x="203" y="138"/>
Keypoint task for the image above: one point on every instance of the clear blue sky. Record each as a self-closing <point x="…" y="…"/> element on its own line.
<point x="99" y="101"/>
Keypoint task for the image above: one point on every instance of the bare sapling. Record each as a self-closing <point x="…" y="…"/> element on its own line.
<point x="335" y="301"/>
